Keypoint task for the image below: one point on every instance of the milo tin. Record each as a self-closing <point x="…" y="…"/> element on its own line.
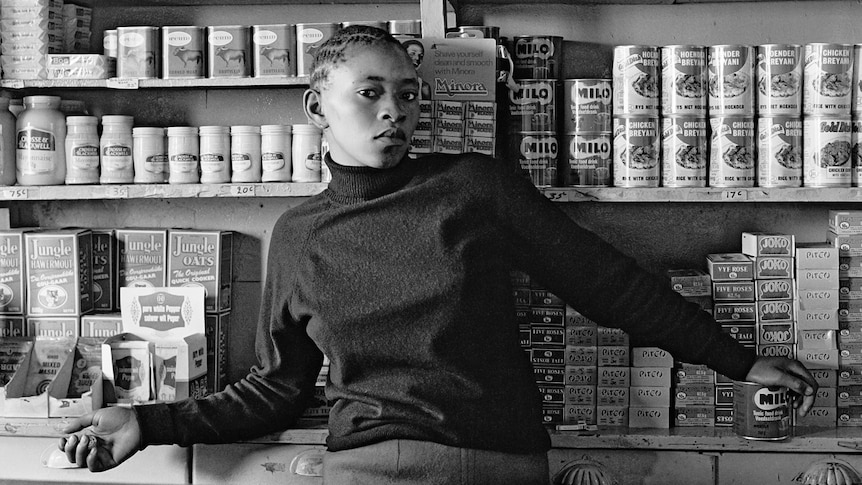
<point x="309" y="38"/>
<point x="587" y="159"/>
<point x="760" y="412"/>
<point x="685" y="141"/>
<point x="636" y="151"/>
<point x="533" y="105"/>
<point x="683" y="80"/>
<point x="636" y="80"/>
<point x="182" y="52"/>
<point x="138" y="52"/>
<point x="732" y="153"/>
<point x="537" y="56"/>
<point x="779" y="79"/>
<point x="826" y="158"/>
<point x="228" y="51"/>
<point x="828" y="79"/>
<point x="538" y="155"/>
<point x="779" y="151"/>
<point x="856" y="153"/>
<point x="587" y="105"/>
<point x="731" y="75"/>
<point x="272" y="50"/>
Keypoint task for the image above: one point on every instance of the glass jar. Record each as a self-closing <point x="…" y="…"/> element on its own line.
<point x="116" y="148"/>
<point x="82" y="150"/>
<point x="183" y="155"/>
<point x="245" y="153"/>
<point x="275" y="146"/>
<point x="214" y="154"/>
<point x="41" y="142"/>
<point x="306" y="153"/>
<point x="149" y="155"/>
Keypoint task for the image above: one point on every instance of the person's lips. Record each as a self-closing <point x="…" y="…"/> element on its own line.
<point x="395" y="134"/>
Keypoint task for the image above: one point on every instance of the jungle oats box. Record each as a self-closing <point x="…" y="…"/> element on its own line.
<point x="12" y="272"/>
<point x="141" y="257"/>
<point x="203" y="258"/>
<point x="59" y="272"/>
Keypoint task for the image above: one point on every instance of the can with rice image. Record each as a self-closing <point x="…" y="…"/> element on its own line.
<point x="228" y="51"/>
<point x="533" y="106"/>
<point x="538" y="155"/>
<point x="138" y="52"/>
<point x="826" y="159"/>
<point x="636" y="151"/>
<point x="636" y="71"/>
<point x="683" y="80"/>
<point x="779" y="79"/>
<point x="537" y="56"/>
<point x="587" y="159"/>
<point x="732" y="152"/>
<point x="587" y="105"/>
<point x="182" y="52"/>
<point x="685" y="143"/>
<point x="779" y="151"/>
<point x="828" y="79"/>
<point x="760" y="412"/>
<point x="731" y="79"/>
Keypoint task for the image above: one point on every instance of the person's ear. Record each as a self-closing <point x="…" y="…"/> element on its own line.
<point x="314" y="108"/>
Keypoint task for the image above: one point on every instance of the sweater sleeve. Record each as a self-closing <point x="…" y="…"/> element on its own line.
<point x="607" y="286"/>
<point x="274" y="393"/>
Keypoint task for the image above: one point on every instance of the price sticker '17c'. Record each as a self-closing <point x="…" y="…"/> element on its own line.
<point x="734" y="195"/>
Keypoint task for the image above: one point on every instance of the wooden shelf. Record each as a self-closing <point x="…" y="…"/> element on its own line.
<point x="158" y="191"/>
<point x="462" y="3"/>
<point x="118" y="83"/>
<point x="707" y="194"/>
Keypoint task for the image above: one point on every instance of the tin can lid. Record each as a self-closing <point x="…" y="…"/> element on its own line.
<point x="214" y="130"/>
<point x="118" y="119"/>
<point x="182" y="130"/>
<point x="148" y="131"/>
<point x="244" y="129"/>
<point x="53" y="101"/>
<point x="405" y="27"/>
<point x="82" y="120"/>
<point x="275" y="129"/>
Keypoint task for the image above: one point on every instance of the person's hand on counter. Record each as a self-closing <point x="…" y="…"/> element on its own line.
<point x="789" y="373"/>
<point x="107" y="437"/>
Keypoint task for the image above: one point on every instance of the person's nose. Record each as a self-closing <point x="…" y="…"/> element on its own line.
<point x="392" y="109"/>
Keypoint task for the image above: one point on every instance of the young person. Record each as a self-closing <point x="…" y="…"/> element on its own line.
<point x="400" y="273"/>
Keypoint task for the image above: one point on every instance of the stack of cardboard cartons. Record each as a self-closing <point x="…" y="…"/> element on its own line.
<point x="581" y="371"/>
<point x="12" y="289"/>
<point x="650" y="405"/>
<point x="29" y="31"/>
<point x="613" y="359"/>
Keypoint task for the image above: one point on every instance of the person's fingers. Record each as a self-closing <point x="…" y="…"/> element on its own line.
<point x="70" y="444"/>
<point x="99" y="458"/>
<point x="79" y="423"/>
<point x="82" y="450"/>
<point x="804" y="405"/>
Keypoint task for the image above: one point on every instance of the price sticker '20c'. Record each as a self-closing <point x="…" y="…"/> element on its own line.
<point x="245" y="190"/>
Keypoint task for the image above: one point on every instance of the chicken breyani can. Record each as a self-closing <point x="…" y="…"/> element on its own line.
<point x="732" y="153"/>
<point x="538" y="155"/>
<point x="533" y="105"/>
<point x="537" y="56"/>
<point x="760" y="412"/>
<point x="828" y="78"/>
<point x="826" y="158"/>
<point x="731" y="78"/>
<point x="587" y="105"/>
<point x="587" y="159"/>
<point x="779" y="151"/>
<point x="636" y="151"/>
<point x="779" y="79"/>
<point x="683" y="80"/>
<point x="685" y="143"/>
<point x="636" y="71"/>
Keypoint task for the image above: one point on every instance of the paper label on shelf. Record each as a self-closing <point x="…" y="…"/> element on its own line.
<point x="121" y="83"/>
<point x="16" y="193"/>
<point x="734" y="194"/>
<point x="246" y="190"/>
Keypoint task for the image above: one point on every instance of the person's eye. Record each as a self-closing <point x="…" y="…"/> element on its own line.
<point x="410" y="96"/>
<point x="368" y="93"/>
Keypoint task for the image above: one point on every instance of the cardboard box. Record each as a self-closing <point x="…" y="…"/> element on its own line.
<point x="141" y="257"/>
<point x="825" y="377"/>
<point x="776" y="333"/>
<point x="735" y="312"/>
<point x="612" y="396"/>
<point x="816" y="256"/>
<point x="68" y="327"/>
<point x="59" y="272"/>
<point x="12" y="278"/>
<point x="694" y="416"/>
<point x="694" y="395"/>
<point x="818" y="358"/>
<point x="690" y="282"/>
<point x="580" y="395"/>
<point x="685" y="373"/>
<point x="730" y="291"/>
<point x="12" y="326"/>
<point x="845" y="222"/>
<point x="772" y="311"/>
<point x="848" y="245"/>
<point x="817" y="319"/>
<point x="649" y="417"/>
<point x="850" y="288"/>
<point x="768" y="244"/>
<point x="581" y="335"/>
<point x="102" y="325"/>
<point x="651" y="376"/>
<point x="777" y="289"/>
<point x="581" y="375"/>
<point x="850" y="266"/>
<point x="652" y="396"/>
<point x="744" y="333"/>
<point x="217" y="333"/>
<point x="611" y="337"/>
<point x="818" y="339"/>
<point x="729" y="266"/>
<point x="817" y="279"/>
<point x="651" y="357"/>
<point x="819" y="417"/>
<point x="772" y="267"/>
<point x="104" y="271"/>
<point x="205" y="258"/>
<point x="612" y="416"/>
<point x="613" y="376"/>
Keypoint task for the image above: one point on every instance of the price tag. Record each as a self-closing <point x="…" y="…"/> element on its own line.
<point x="12" y="83"/>
<point x="118" y="192"/>
<point x="121" y="83"/>
<point x="246" y="190"/>
<point x="557" y="195"/>
<point x="734" y="195"/>
<point x="16" y="193"/>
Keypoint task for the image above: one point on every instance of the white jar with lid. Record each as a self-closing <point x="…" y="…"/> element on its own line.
<point x="149" y="155"/>
<point x="306" y="153"/>
<point x="245" y="153"/>
<point x="214" y="154"/>
<point x="41" y="142"/>
<point x="82" y="150"/>
<point x="275" y="153"/>
<point x="116" y="149"/>
<point x="16" y="106"/>
<point x="183" y="155"/>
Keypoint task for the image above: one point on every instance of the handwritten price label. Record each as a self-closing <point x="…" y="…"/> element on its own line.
<point x="734" y="195"/>
<point x="242" y="190"/>
<point x="12" y="83"/>
<point x="16" y="193"/>
<point x="118" y="192"/>
<point x="121" y="83"/>
<point x="557" y="195"/>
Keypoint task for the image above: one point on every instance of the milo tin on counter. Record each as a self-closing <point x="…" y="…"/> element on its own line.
<point x="779" y="79"/>
<point x="533" y="106"/>
<point x="538" y="155"/>
<point x="587" y="159"/>
<point x="636" y="151"/>
<point x="228" y="51"/>
<point x="732" y="152"/>
<point x="683" y="76"/>
<point x="731" y="78"/>
<point x="828" y="79"/>
<point x="182" y="52"/>
<point x="272" y="50"/>
<point x="309" y="38"/>
<point x="636" y="80"/>
<point x="826" y="159"/>
<point x="537" y="56"/>
<point x="779" y="151"/>
<point x="856" y="153"/>
<point x="685" y="141"/>
<point x="138" y="52"/>
<point x="587" y="105"/>
<point x="760" y="412"/>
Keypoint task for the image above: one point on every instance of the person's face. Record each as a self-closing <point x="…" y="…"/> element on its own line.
<point x="369" y="107"/>
<point x="416" y="53"/>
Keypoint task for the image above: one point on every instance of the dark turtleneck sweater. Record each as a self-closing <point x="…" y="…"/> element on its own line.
<point x="402" y="278"/>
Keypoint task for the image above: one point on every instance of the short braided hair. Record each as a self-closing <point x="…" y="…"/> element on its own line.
<point x="333" y="51"/>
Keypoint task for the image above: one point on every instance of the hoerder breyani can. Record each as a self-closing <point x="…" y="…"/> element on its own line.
<point x="779" y="79"/>
<point x="732" y="152"/>
<point x="683" y="80"/>
<point x="779" y="151"/>
<point x="587" y="105"/>
<point x="537" y="56"/>
<point x="533" y="106"/>
<point x="538" y="155"/>
<point x="826" y="159"/>
<point x="587" y="159"/>
<point x="760" y="412"/>
<point x="731" y="79"/>
<point x="636" y="72"/>
<point x="685" y="143"/>
<point x="828" y="78"/>
<point x="636" y="151"/>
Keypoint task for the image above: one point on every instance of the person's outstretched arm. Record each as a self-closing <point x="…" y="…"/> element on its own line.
<point x="112" y="437"/>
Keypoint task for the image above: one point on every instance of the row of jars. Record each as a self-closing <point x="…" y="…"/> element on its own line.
<point x="49" y="148"/>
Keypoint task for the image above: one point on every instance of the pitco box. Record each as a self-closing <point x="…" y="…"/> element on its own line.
<point x="141" y="257"/>
<point x="203" y="258"/>
<point x="59" y="272"/>
<point x="12" y="280"/>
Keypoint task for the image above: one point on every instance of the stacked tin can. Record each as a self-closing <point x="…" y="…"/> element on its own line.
<point x="636" y="116"/>
<point x="532" y="107"/>
<point x="586" y="133"/>
<point x="731" y="116"/>
<point x="684" y="133"/>
<point x="779" y="122"/>
<point x="826" y="108"/>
